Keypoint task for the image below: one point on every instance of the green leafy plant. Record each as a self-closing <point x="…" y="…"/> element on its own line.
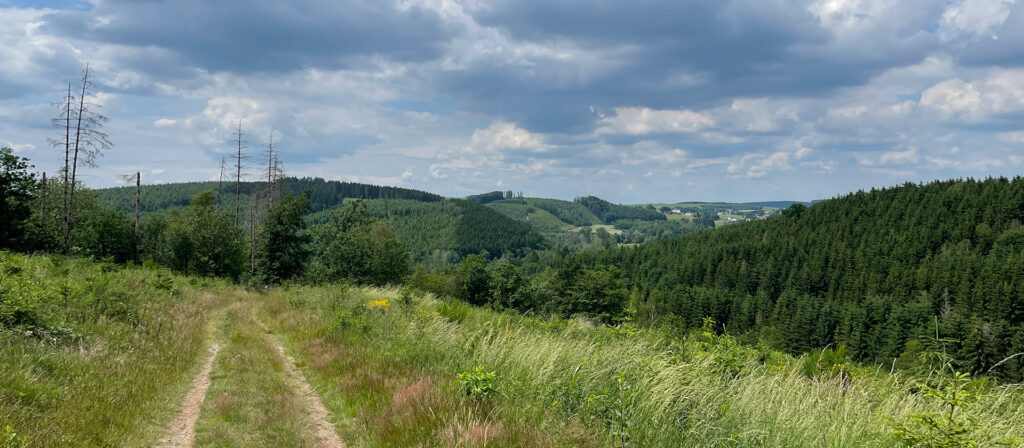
<point x="477" y="383"/>
<point x="621" y="409"/>
<point x="10" y="439"/>
<point x="954" y="426"/>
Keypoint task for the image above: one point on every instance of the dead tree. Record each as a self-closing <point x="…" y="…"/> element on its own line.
<point x="274" y="171"/>
<point x="138" y="204"/>
<point x="63" y="122"/>
<point x="239" y="160"/>
<point x="254" y="206"/>
<point x="137" y="177"/>
<point x="269" y="153"/>
<point x="42" y="200"/>
<point x="90" y="142"/>
<point x="220" y="176"/>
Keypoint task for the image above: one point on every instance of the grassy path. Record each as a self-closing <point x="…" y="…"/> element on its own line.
<point x="181" y="432"/>
<point x="255" y="395"/>
<point x="322" y="428"/>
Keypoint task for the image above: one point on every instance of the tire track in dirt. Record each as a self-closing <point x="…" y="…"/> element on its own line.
<point x="181" y="432"/>
<point x="323" y="429"/>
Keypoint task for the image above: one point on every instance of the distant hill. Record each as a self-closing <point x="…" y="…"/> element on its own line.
<point x="441" y="232"/>
<point x="428" y="224"/>
<point x="325" y="194"/>
<point x="776" y="204"/>
<point x="875" y="270"/>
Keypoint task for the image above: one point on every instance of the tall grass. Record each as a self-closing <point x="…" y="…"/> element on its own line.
<point x="636" y="387"/>
<point x="94" y="355"/>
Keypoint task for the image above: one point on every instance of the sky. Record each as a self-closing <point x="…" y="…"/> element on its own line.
<point x="635" y="102"/>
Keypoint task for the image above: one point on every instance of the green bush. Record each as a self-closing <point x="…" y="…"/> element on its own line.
<point x="477" y="383"/>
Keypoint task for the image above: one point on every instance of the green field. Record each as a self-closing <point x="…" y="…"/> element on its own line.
<point x="111" y="351"/>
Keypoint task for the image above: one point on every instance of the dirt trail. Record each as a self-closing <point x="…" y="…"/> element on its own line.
<point x="181" y="432"/>
<point x="322" y="427"/>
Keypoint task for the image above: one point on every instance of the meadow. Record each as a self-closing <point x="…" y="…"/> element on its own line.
<point x="559" y="382"/>
<point x="99" y="355"/>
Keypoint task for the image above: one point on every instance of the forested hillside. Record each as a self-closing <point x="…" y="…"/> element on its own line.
<point x="608" y="213"/>
<point x="880" y="271"/>
<point x="572" y="224"/>
<point x="323" y="194"/>
<point x="439" y="233"/>
<point x="434" y="229"/>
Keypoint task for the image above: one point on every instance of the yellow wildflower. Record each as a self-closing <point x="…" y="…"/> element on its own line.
<point x="382" y="303"/>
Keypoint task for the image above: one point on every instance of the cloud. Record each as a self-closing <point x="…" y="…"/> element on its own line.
<point x="25" y="147"/>
<point x="974" y="16"/>
<point x="642" y="120"/>
<point x="907" y="156"/>
<point x="953" y="95"/>
<point x="504" y="136"/>
<point x="240" y="36"/>
<point x="1016" y="137"/>
<point x="746" y="99"/>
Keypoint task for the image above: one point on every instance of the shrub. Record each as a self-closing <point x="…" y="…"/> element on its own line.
<point x="477" y="383"/>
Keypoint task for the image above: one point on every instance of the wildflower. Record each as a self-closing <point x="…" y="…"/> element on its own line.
<point x="382" y="303"/>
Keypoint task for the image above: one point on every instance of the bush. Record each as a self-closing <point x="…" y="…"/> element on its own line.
<point x="477" y="383"/>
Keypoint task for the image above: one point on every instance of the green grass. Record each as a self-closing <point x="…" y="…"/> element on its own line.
<point x="577" y="384"/>
<point x="105" y="356"/>
<point x="249" y="402"/>
<point x="94" y="355"/>
<point x="385" y="393"/>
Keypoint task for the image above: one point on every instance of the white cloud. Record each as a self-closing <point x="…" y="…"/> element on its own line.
<point x="758" y="165"/>
<point x="906" y="156"/>
<point x="164" y="122"/>
<point x="1012" y="137"/>
<point x="951" y="96"/>
<point x="763" y="114"/>
<point x="503" y="135"/>
<point x="24" y="147"/>
<point x="643" y="120"/>
<point x="440" y="170"/>
<point x="1001" y="92"/>
<point x="974" y="17"/>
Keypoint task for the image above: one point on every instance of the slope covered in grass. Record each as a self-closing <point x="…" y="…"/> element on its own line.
<point x="92" y="354"/>
<point x="577" y="384"/>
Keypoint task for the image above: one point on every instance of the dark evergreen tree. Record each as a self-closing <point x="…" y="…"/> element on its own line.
<point x="281" y="248"/>
<point x="17" y="187"/>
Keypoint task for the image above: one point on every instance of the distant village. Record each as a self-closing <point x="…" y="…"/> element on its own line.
<point x="728" y="215"/>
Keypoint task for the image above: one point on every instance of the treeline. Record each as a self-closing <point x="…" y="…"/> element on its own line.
<point x="608" y="213"/>
<point x="881" y="271"/>
<point x="636" y="232"/>
<point x="324" y="194"/>
<point x="273" y="244"/>
<point x="435" y="230"/>
<point x="486" y="198"/>
<point x="571" y="290"/>
<point x="439" y="233"/>
<point x="574" y="213"/>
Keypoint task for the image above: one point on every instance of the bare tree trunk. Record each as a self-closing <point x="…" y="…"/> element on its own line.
<point x="270" y="166"/>
<point x="138" y="200"/>
<point x="42" y="201"/>
<point x="252" y="233"/>
<point x="238" y="178"/>
<point x="68" y="218"/>
<point x="66" y="229"/>
<point x="138" y="209"/>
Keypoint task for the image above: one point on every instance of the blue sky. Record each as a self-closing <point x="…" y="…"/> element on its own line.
<point x="642" y="101"/>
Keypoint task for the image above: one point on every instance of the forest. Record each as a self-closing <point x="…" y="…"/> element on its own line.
<point x="879" y="271"/>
